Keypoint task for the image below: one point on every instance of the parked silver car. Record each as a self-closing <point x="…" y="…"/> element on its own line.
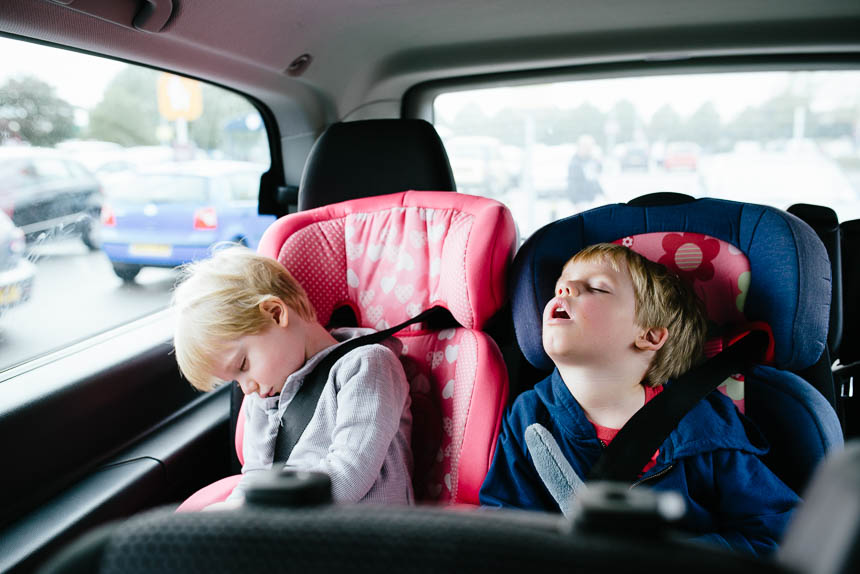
<point x="16" y="272"/>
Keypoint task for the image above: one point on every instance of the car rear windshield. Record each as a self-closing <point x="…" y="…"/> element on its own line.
<point x="776" y="138"/>
<point x="163" y="188"/>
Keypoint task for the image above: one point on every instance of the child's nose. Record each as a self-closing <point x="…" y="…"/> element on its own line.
<point x="566" y="291"/>
<point x="248" y="386"/>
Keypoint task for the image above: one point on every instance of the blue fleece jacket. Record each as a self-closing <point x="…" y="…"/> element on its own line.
<point x="711" y="459"/>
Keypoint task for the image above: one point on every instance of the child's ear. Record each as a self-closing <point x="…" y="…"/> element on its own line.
<point x="276" y="310"/>
<point x="652" y="339"/>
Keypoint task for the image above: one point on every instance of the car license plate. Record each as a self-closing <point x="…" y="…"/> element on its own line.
<point x="11" y="294"/>
<point x="150" y="249"/>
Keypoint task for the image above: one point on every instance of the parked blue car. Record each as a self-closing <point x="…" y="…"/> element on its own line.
<point x="173" y="213"/>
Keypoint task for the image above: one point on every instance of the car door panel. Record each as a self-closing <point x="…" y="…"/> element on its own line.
<point x="104" y="430"/>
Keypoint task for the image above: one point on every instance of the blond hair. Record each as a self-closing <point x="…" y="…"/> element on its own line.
<point x="662" y="300"/>
<point x="217" y="300"/>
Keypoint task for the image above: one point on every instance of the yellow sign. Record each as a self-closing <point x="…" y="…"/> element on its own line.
<point x="179" y="98"/>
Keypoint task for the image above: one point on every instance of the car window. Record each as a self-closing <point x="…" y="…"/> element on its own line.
<point x="243" y="187"/>
<point x="76" y="169"/>
<point x="51" y="170"/>
<point x="15" y="174"/>
<point x="114" y="166"/>
<point x="162" y="188"/>
<point x="82" y="140"/>
<point x="776" y="138"/>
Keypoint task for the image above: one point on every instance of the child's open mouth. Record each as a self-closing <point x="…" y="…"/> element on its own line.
<point x="560" y="312"/>
<point x="557" y="310"/>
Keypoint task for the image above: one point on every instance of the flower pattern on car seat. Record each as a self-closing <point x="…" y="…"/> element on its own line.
<point x="690" y="255"/>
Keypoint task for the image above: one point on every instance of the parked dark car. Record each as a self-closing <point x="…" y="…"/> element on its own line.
<point x="635" y="155"/>
<point x="16" y="272"/>
<point x="48" y="194"/>
<point x="173" y="213"/>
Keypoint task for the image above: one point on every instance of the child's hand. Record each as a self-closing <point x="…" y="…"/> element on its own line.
<point x="224" y="505"/>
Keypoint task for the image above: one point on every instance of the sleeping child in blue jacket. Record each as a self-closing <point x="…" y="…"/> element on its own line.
<point x="617" y="329"/>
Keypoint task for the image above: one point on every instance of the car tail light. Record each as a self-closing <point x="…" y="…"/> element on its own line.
<point x="205" y="218"/>
<point x="108" y="217"/>
<point x="18" y="243"/>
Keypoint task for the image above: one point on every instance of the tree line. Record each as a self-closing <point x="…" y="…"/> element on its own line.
<point x="772" y="120"/>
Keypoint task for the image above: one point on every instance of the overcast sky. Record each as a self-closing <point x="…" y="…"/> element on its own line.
<point x="80" y="79"/>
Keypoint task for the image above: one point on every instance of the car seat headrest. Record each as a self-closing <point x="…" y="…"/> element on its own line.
<point x="365" y="158"/>
<point x="390" y="257"/>
<point x="749" y="263"/>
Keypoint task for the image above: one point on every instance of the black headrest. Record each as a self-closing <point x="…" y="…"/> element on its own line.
<point x="374" y="157"/>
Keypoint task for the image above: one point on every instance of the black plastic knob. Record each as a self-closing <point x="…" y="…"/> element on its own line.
<point x="289" y="488"/>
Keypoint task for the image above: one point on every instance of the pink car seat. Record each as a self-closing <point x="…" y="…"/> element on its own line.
<point x="388" y="258"/>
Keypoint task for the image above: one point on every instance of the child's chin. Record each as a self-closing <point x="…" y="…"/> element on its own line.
<point x="553" y="349"/>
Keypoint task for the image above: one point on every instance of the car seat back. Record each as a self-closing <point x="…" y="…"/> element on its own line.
<point x="823" y="536"/>
<point x="750" y="264"/>
<point x="849" y="349"/>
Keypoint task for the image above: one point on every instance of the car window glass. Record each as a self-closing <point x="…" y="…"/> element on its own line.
<point x="76" y="169"/>
<point x="51" y="170"/>
<point x="243" y="187"/>
<point x="114" y="166"/>
<point x="162" y="188"/>
<point x="104" y="183"/>
<point x="219" y="190"/>
<point x="15" y="174"/>
<point x="554" y="149"/>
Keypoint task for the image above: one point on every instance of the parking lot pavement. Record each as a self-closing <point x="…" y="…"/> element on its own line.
<point x="75" y="295"/>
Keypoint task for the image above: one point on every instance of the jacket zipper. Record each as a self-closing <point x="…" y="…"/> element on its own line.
<point x="655" y="475"/>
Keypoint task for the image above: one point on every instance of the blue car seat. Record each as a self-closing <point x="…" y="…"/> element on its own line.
<point x="751" y="264"/>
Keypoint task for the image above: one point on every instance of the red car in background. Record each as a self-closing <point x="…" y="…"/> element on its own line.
<point x="681" y="155"/>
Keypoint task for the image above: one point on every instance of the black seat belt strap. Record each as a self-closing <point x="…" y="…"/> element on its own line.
<point x="635" y="443"/>
<point x="301" y="409"/>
